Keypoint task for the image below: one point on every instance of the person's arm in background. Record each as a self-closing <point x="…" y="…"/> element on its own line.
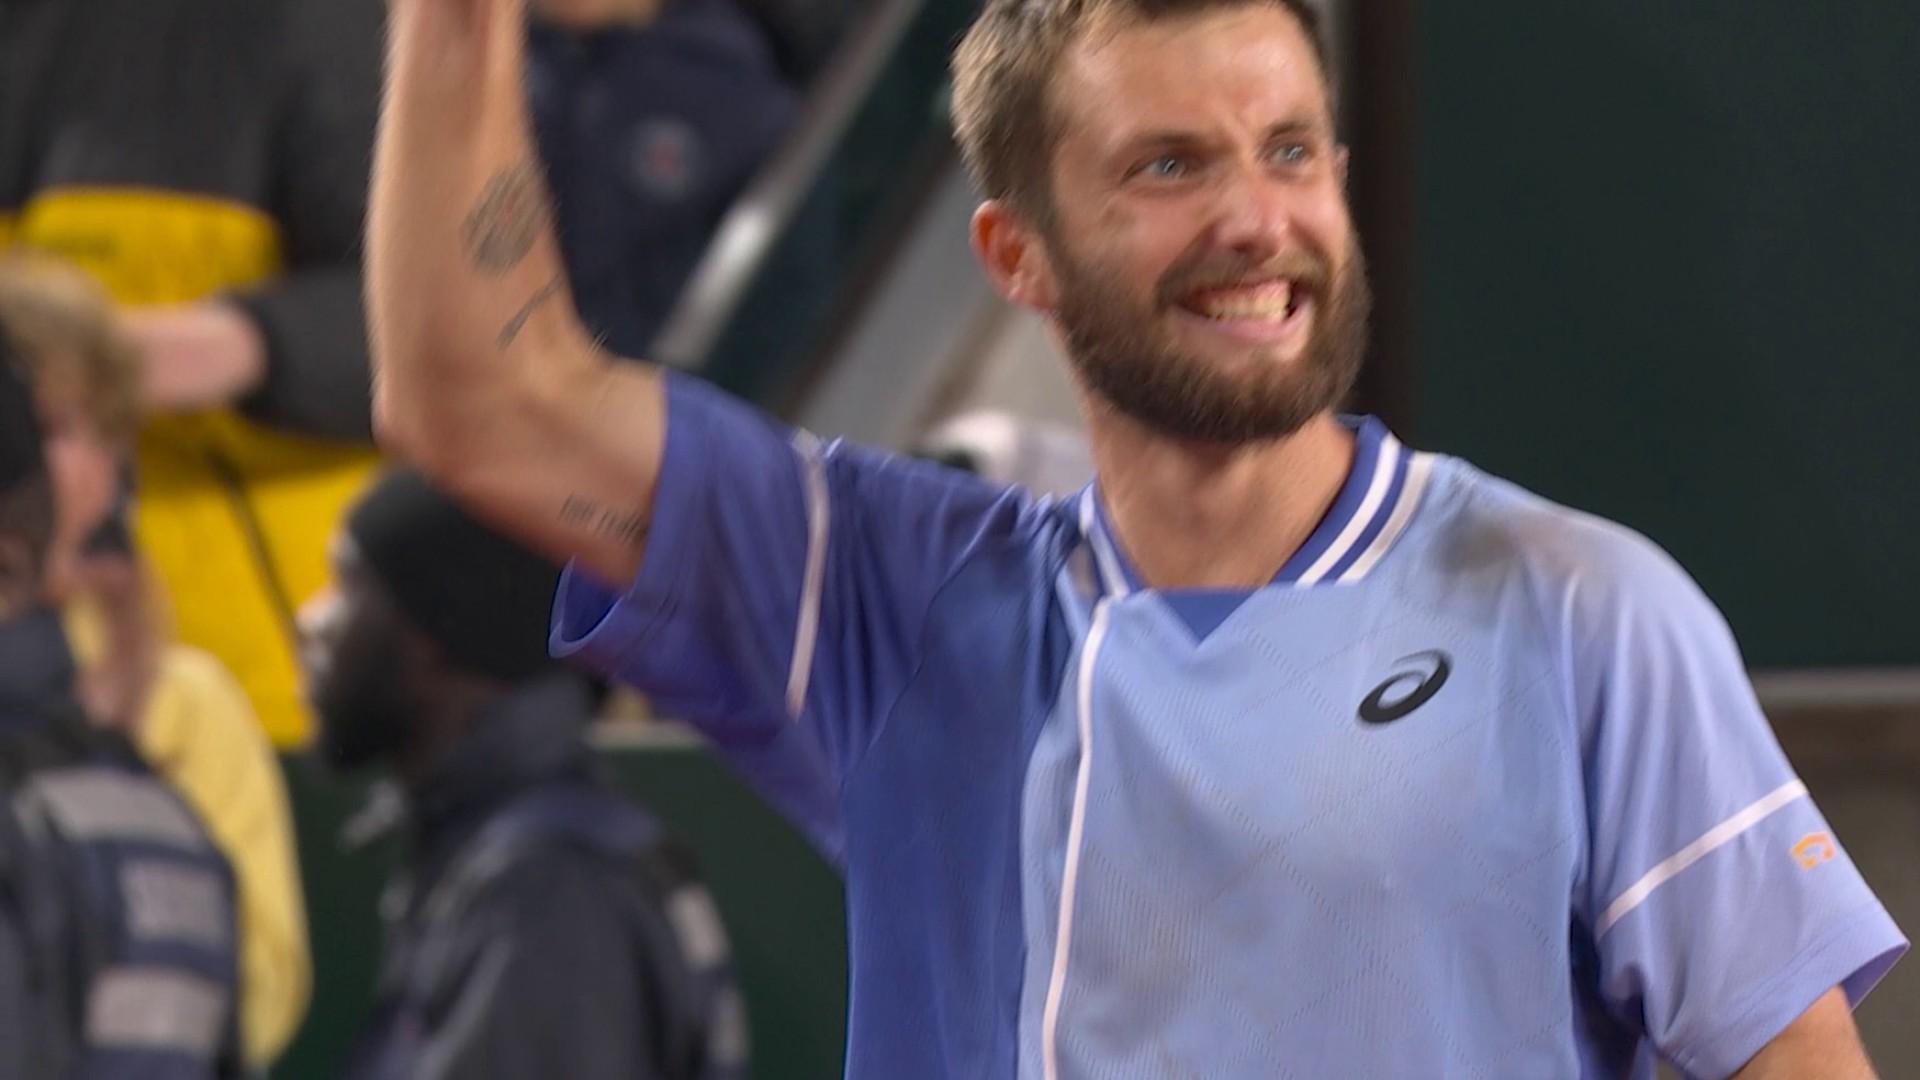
<point x="292" y="354"/>
<point x="484" y="377"/>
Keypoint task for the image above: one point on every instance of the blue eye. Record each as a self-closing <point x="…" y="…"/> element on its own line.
<point x="1164" y="168"/>
<point x="1292" y="154"/>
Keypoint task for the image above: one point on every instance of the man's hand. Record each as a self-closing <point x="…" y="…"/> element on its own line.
<point x="1822" y="1044"/>
<point x="196" y="356"/>
<point x="115" y="690"/>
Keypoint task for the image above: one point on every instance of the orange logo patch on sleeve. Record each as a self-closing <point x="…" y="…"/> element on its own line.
<point x="1814" y="849"/>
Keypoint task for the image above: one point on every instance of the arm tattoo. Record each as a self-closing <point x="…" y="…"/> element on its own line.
<point x="519" y="320"/>
<point x="502" y="226"/>
<point x="628" y="526"/>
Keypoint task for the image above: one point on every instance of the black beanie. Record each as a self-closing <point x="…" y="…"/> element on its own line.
<point x="20" y="449"/>
<point x="482" y="598"/>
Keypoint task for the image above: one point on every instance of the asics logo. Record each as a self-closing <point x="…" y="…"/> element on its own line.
<point x="1407" y="690"/>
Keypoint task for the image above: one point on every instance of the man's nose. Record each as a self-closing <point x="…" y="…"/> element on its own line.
<point x="1256" y="215"/>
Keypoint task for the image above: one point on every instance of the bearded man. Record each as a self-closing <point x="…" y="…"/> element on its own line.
<point x="1281" y="750"/>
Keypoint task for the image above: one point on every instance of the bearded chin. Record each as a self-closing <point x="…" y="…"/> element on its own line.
<point x="365" y="713"/>
<point x="1125" y="358"/>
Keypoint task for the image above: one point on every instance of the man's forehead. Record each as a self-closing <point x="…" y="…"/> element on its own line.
<point x="1244" y="64"/>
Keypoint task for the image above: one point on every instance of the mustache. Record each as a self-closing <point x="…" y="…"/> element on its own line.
<point x="1222" y="270"/>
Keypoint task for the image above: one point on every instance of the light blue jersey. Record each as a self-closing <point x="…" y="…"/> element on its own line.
<point x="1476" y="787"/>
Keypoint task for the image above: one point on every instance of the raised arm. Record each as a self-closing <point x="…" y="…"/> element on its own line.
<point x="483" y="375"/>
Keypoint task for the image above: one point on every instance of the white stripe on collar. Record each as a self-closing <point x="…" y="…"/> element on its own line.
<point x="1419" y="467"/>
<point x="1365" y="537"/>
<point x="1384" y="465"/>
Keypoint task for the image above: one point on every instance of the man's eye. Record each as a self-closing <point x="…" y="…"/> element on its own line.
<point x="1164" y="168"/>
<point x="1292" y="154"/>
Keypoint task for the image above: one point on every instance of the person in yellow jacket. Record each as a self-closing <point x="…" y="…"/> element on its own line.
<point x="206" y="161"/>
<point x="182" y="709"/>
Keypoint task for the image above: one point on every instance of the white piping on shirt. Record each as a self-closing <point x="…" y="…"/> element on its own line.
<point x="1076" y="835"/>
<point x="806" y="629"/>
<point x="1418" y="466"/>
<point x="1713" y="838"/>
<point x="1383" y="468"/>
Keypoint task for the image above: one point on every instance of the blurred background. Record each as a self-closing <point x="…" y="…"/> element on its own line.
<point x="1654" y="260"/>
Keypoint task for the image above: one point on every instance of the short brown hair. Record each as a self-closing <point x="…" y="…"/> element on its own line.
<point x="61" y="325"/>
<point x="1004" y="67"/>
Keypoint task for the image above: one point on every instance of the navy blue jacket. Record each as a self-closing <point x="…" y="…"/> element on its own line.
<point x="117" y="918"/>
<point x="542" y="926"/>
<point x="648" y="135"/>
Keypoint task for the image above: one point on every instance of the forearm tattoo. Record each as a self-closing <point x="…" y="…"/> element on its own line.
<point x="519" y="320"/>
<point x="503" y="225"/>
<point x="627" y="526"/>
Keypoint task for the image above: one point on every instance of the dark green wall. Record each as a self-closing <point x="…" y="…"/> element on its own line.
<point x="782" y="905"/>
<point x="1667" y="261"/>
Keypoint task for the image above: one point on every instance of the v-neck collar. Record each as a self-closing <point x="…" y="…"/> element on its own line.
<point x="1366" y="517"/>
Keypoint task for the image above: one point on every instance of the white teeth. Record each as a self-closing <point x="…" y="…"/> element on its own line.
<point x="1247" y="310"/>
<point x="1269" y="303"/>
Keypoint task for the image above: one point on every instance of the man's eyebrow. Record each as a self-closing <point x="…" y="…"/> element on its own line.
<point x="1294" y="128"/>
<point x="1163" y="139"/>
<point x="1178" y="138"/>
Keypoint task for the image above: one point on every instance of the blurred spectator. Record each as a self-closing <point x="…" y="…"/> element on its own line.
<point x="206" y="160"/>
<point x="652" y="116"/>
<point x="541" y="926"/>
<point x="116" y="910"/>
<point x="805" y="33"/>
<point x="188" y="717"/>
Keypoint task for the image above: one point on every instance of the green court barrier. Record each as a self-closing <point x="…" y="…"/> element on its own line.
<point x="783" y="907"/>
<point x="1667" y="268"/>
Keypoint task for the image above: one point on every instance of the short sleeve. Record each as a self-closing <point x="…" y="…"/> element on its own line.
<point x="781" y="599"/>
<point x="1720" y="902"/>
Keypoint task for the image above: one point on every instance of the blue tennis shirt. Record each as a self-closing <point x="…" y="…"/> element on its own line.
<point x="1476" y="787"/>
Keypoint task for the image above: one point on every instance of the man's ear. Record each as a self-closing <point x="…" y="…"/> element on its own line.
<point x="1014" y="256"/>
<point x="1342" y="158"/>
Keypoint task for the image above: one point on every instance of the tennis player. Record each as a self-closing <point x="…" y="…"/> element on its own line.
<point x="1284" y="749"/>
